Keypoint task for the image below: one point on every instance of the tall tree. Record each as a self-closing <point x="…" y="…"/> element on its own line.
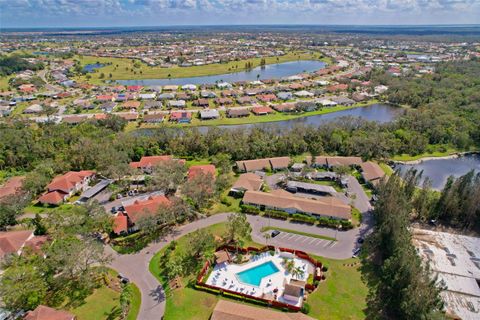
<point x="400" y="286"/>
<point x="168" y="175"/>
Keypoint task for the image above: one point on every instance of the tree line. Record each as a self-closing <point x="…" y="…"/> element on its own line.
<point x="400" y="285"/>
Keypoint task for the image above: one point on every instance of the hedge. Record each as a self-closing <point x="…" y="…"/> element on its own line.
<point x="245" y="208"/>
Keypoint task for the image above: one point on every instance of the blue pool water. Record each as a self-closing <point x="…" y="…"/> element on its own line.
<point x="254" y="275"/>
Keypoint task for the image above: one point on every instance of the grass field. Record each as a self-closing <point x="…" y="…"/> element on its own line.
<point x="127" y="71"/>
<point x="135" y="302"/>
<point x="446" y="151"/>
<point x="100" y="305"/>
<point x="104" y="303"/>
<point x="341" y="296"/>
<point x="4" y="82"/>
<point x="312" y="235"/>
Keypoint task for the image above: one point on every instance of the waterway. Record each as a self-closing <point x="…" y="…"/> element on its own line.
<point x="271" y="71"/>
<point x="91" y="67"/>
<point x="380" y="113"/>
<point x="438" y="170"/>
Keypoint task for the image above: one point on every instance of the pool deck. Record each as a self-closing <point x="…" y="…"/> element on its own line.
<point x="225" y="276"/>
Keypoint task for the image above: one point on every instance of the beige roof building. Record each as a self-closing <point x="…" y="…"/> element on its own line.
<point x="227" y="310"/>
<point x="262" y="164"/>
<point x="372" y="172"/>
<point x="327" y="161"/>
<point x="285" y="201"/>
<point x="247" y="181"/>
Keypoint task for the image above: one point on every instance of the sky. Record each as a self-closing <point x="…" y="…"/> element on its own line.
<point x="109" y="13"/>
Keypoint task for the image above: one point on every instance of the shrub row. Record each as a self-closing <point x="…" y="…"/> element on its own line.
<point x="249" y="209"/>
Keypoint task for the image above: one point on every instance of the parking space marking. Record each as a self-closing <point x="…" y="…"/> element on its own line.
<point x="312" y="241"/>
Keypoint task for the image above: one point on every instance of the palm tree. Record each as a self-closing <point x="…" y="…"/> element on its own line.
<point x="298" y="272"/>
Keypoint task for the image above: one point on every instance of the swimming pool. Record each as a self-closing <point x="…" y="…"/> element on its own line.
<point x="254" y="275"/>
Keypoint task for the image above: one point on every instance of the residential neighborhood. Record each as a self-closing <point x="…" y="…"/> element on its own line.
<point x="172" y="160"/>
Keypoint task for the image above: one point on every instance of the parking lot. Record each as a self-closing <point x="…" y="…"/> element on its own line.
<point x="304" y="241"/>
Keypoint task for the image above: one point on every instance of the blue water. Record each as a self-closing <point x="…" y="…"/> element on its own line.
<point x="92" y="67"/>
<point x="381" y="113"/>
<point x="438" y="170"/>
<point x="271" y="71"/>
<point x="255" y="275"/>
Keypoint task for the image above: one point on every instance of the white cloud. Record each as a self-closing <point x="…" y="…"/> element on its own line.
<point x="247" y="11"/>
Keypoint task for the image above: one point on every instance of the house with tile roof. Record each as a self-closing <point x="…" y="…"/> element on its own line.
<point x="46" y="313"/>
<point x="147" y="163"/>
<point x="11" y="187"/>
<point x="66" y="185"/>
<point x="138" y="209"/>
<point x="208" y="169"/>
<point x="14" y="242"/>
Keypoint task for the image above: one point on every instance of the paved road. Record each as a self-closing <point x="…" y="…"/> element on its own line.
<point x="340" y="249"/>
<point x="135" y="267"/>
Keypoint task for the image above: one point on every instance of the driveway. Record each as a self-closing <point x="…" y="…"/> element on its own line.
<point x="136" y="267"/>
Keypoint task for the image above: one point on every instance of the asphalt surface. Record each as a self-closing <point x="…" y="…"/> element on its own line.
<point x="136" y="266"/>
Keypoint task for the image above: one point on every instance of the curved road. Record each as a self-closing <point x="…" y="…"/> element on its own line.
<point x="136" y="266"/>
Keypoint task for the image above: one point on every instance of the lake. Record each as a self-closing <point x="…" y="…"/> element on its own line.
<point x="91" y="67"/>
<point x="438" y="170"/>
<point x="380" y="113"/>
<point x="271" y="71"/>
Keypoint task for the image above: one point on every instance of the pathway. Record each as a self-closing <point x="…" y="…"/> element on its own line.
<point x="136" y="266"/>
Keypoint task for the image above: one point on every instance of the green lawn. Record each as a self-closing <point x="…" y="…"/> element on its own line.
<point x="434" y="154"/>
<point x="312" y="235"/>
<point x="135" y="302"/>
<point x="124" y="70"/>
<point x="341" y="296"/>
<point x="102" y="303"/>
<point x="386" y="168"/>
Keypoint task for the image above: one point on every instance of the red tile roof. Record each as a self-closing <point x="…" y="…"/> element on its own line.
<point x="67" y="182"/>
<point x="54" y="197"/>
<point x="205" y="169"/>
<point x="12" y="241"/>
<point x="11" y="187"/>
<point x="261" y="110"/>
<point x="47" y="313"/>
<point x="120" y="224"/>
<point x="144" y="208"/>
<point x="150" y="161"/>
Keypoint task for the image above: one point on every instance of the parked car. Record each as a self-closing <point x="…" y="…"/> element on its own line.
<point x="356" y="252"/>
<point x="360" y="240"/>
<point x="113" y="210"/>
<point x="275" y="233"/>
<point x="123" y="279"/>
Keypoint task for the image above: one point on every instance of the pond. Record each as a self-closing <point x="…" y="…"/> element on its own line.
<point x="438" y="170"/>
<point x="380" y="113"/>
<point x="271" y="71"/>
<point x="91" y="67"/>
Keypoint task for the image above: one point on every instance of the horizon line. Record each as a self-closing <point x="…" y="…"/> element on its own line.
<point x="244" y="25"/>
